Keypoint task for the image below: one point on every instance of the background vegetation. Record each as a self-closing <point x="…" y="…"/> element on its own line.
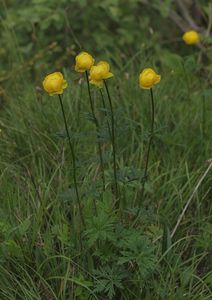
<point x="44" y="252"/>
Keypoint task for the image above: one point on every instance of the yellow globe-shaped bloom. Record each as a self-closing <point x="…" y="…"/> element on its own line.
<point x="148" y="78"/>
<point x="99" y="73"/>
<point x="84" y="61"/>
<point x="191" y="37"/>
<point x="106" y="67"/>
<point x="54" y="83"/>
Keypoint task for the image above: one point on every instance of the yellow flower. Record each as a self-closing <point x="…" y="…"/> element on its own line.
<point x="99" y="73"/>
<point x="148" y="78"/>
<point x="54" y="83"/>
<point x="191" y="37"/>
<point x="84" y="61"/>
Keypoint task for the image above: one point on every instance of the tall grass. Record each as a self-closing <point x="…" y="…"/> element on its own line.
<point x="39" y="241"/>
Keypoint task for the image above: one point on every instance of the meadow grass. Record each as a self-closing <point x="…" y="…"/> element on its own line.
<point x="40" y="242"/>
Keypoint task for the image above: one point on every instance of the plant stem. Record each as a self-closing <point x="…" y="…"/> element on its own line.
<point x="73" y="160"/>
<point x="105" y="112"/>
<point x="203" y="116"/>
<point x="113" y="140"/>
<point x="97" y="131"/>
<point x="147" y="156"/>
<point x="150" y="142"/>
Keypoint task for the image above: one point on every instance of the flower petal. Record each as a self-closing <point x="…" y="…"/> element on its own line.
<point x="65" y="84"/>
<point x="157" y="79"/>
<point x="98" y="83"/>
<point x="108" y="75"/>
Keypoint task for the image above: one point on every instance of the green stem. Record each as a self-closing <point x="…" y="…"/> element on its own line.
<point x="148" y="152"/>
<point x="73" y="160"/>
<point x="97" y="131"/>
<point x="203" y="116"/>
<point x="113" y="140"/>
<point x="149" y="145"/>
<point x="105" y="112"/>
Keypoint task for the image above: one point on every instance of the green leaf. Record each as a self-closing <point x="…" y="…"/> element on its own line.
<point x="101" y="227"/>
<point x="109" y="279"/>
<point x="137" y="249"/>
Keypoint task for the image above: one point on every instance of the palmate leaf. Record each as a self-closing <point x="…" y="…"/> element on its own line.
<point x="108" y="279"/>
<point x="137" y="249"/>
<point x="102" y="226"/>
<point x="100" y="229"/>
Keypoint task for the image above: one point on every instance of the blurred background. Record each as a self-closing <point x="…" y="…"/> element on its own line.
<point x="43" y="35"/>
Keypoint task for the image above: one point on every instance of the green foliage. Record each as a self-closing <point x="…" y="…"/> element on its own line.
<point x="136" y="249"/>
<point x="45" y="251"/>
<point x="82" y="290"/>
<point x="36" y="24"/>
<point x="109" y="279"/>
<point x="101" y="227"/>
<point x="11" y="238"/>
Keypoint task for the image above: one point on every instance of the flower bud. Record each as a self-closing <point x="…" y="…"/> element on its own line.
<point x="54" y="83"/>
<point x="148" y="78"/>
<point x="191" y="37"/>
<point x="84" y="61"/>
<point x="99" y="73"/>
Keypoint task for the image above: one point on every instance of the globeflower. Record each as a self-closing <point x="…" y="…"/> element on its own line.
<point x="191" y="37"/>
<point x="99" y="73"/>
<point x="84" y="61"/>
<point x="148" y="78"/>
<point x="54" y="83"/>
